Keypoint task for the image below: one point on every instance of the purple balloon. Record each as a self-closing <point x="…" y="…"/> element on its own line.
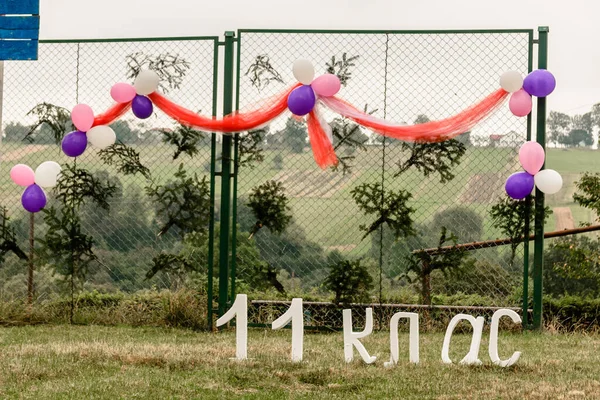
<point x="519" y="185"/>
<point x="539" y="83"/>
<point x="142" y="107"/>
<point x="74" y="143"/>
<point x="301" y="100"/>
<point x="33" y="199"/>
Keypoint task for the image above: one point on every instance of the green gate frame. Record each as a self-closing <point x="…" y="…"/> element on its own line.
<point x="229" y="179"/>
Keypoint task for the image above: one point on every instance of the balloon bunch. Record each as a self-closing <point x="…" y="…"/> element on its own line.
<point x="519" y="185"/>
<point x="96" y="129"/>
<point x="45" y="176"/>
<point x="302" y="100"/>
<point x="100" y="136"/>
<point x="145" y="83"/>
<point x="539" y="83"/>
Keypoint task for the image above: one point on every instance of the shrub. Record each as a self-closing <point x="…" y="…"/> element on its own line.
<point x="349" y="281"/>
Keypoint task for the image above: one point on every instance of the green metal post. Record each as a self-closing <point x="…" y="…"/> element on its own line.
<point x="226" y="175"/>
<point x="539" y="196"/>
<point x="525" y="312"/>
<point x="236" y="144"/>
<point x="211" y="224"/>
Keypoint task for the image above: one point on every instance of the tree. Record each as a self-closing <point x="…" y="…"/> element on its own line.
<point x="386" y="206"/>
<point x="15" y="132"/>
<point x="262" y="73"/>
<point x="185" y="139"/>
<point x="577" y="138"/>
<point x="171" y="68"/>
<point x="572" y="267"/>
<point x="182" y="203"/>
<point x="349" y="281"/>
<point x="125" y="134"/>
<point x="294" y="135"/>
<point x="510" y="216"/>
<point x="65" y="246"/>
<point x="269" y="204"/>
<point x="8" y="238"/>
<point x="465" y="223"/>
<point x="559" y="125"/>
<point x="423" y="263"/>
<point x="431" y="158"/>
<point x="588" y="192"/>
<point x="342" y="67"/>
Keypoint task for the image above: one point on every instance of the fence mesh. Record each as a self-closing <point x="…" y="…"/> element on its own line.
<point x="68" y="73"/>
<point x="405" y="77"/>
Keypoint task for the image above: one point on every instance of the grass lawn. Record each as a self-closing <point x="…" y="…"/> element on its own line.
<point x="92" y="362"/>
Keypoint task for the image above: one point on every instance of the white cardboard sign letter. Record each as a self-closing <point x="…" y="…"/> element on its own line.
<point x="351" y="339"/>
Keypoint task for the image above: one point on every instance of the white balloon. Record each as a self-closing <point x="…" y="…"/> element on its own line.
<point x="304" y="71"/>
<point x="511" y="81"/>
<point x="46" y="174"/>
<point x="548" y="181"/>
<point x="146" y="82"/>
<point x="101" y="136"/>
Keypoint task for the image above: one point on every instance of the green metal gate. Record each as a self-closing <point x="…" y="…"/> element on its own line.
<point x="398" y="75"/>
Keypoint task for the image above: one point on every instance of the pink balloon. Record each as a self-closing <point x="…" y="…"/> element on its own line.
<point x="531" y="156"/>
<point x="520" y="103"/>
<point x="82" y="117"/>
<point x="122" y="92"/>
<point x="22" y="175"/>
<point x="326" y="85"/>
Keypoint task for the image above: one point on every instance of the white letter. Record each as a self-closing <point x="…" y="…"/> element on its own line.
<point x="294" y="314"/>
<point x="351" y="338"/>
<point x="413" y="354"/>
<point x="239" y="311"/>
<point x="472" y="356"/>
<point x="493" y="349"/>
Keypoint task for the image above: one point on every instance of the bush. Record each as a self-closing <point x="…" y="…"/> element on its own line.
<point x="349" y="281"/>
<point x="572" y="313"/>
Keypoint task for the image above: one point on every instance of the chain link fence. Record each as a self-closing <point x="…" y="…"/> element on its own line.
<point x="408" y="77"/>
<point x="72" y="72"/>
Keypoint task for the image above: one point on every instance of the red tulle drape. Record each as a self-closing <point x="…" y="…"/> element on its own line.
<point x="433" y="131"/>
<point x="236" y="122"/>
<point x="112" y="114"/>
<point x="322" y="148"/>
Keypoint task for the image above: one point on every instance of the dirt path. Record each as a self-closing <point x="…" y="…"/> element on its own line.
<point x="564" y="218"/>
<point x="18" y="154"/>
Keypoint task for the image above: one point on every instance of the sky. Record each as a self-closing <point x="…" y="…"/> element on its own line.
<point x="574" y="53"/>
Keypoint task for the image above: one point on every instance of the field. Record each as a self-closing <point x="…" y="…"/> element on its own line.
<point x="92" y="362"/>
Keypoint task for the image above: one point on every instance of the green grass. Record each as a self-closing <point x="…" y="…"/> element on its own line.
<point x="91" y="362"/>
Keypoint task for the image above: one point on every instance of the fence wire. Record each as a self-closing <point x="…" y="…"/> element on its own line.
<point x="68" y="73"/>
<point x="405" y="77"/>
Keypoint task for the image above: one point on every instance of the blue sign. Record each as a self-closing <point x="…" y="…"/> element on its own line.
<point x="19" y="33"/>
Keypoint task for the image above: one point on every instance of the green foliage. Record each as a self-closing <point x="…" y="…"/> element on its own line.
<point x="342" y="67"/>
<point x="431" y="158"/>
<point x="15" y="132"/>
<point x="577" y="138"/>
<point x="588" y="192"/>
<point x="8" y="238"/>
<point x="125" y="159"/>
<point x="269" y="204"/>
<point x="183" y="203"/>
<point x="185" y="139"/>
<point x="124" y="132"/>
<point x="479" y="277"/>
<point x="572" y="312"/>
<point x="348" y="137"/>
<point x="572" y="267"/>
<point x="57" y="119"/>
<point x="262" y="73"/>
<point x="251" y="147"/>
<point x="293" y="136"/>
<point x="65" y="247"/>
<point x="278" y="161"/>
<point x="558" y="125"/>
<point x="386" y="206"/>
<point x="424" y="263"/>
<point x="510" y="216"/>
<point x="349" y="281"/>
<point x="76" y="184"/>
<point x="465" y="223"/>
<point x="171" y="68"/>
